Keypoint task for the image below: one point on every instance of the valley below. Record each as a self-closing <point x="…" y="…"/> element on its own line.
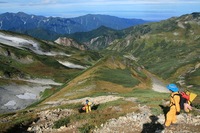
<point x="17" y="96"/>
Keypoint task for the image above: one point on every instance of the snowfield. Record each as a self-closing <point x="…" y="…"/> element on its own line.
<point x="21" y="43"/>
<point x="27" y="96"/>
<point x="18" y="42"/>
<point x="16" y="97"/>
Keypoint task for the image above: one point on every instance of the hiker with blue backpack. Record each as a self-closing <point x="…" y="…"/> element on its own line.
<point x="174" y="105"/>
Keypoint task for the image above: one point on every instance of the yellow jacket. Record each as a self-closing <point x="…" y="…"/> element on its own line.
<point x="174" y="101"/>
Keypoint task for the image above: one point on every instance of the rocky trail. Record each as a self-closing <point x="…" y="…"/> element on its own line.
<point x="145" y="122"/>
<point x="142" y="121"/>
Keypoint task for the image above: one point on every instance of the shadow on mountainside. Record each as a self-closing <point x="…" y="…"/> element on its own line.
<point x="153" y="127"/>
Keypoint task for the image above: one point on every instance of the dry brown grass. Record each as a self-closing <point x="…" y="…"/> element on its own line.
<point x="111" y="87"/>
<point x="75" y="88"/>
<point x="39" y="68"/>
<point x="105" y="112"/>
<point x="179" y="71"/>
<point x="71" y="85"/>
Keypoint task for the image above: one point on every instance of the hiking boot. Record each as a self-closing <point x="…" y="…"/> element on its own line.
<point x="165" y="126"/>
<point x="174" y="124"/>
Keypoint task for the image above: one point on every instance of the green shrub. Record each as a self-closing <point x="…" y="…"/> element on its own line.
<point x="61" y="122"/>
<point x="196" y="106"/>
<point x="148" y="97"/>
<point x="86" y="128"/>
<point x="118" y="76"/>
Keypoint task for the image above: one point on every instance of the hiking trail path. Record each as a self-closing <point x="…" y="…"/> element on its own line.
<point x="138" y="122"/>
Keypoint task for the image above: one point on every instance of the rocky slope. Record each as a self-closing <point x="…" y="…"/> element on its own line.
<point x="145" y="122"/>
<point x="140" y="121"/>
<point x="99" y="38"/>
<point x="70" y="43"/>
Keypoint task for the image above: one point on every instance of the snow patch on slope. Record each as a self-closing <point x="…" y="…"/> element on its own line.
<point x="1" y="24"/>
<point x="71" y="65"/>
<point x="17" y="97"/>
<point x="27" y="96"/>
<point x="42" y="81"/>
<point x="20" y="43"/>
<point x="10" y="103"/>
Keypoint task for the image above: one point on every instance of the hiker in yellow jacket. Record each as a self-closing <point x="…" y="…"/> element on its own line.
<point x="88" y="106"/>
<point x="174" y="105"/>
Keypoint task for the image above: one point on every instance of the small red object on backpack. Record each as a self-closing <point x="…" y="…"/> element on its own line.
<point x="184" y="95"/>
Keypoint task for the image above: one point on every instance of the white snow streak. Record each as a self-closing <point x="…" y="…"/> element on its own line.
<point x="1" y="24"/>
<point x="10" y="103"/>
<point x="21" y="43"/>
<point x="71" y="65"/>
<point x="27" y="96"/>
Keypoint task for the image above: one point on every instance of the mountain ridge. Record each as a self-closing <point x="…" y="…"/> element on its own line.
<point x="24" y="23"/>
<point x="101" y="37"/>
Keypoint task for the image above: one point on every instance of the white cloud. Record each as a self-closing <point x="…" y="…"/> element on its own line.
<point x="49" y="1"/>
<point x="96" y="2"/>
<point x="117" y="2"/>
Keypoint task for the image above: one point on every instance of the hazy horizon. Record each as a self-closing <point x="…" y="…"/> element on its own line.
<point x="139" y="9"/>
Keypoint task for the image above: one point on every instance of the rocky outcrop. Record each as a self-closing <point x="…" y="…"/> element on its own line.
<point x="47" y="119"/>
<point x="141" y="121"/>
<point x="70" y="43"/>
<point x="145" y="122"/>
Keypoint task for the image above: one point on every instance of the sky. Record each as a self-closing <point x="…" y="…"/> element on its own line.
<point x="140" y="9"/>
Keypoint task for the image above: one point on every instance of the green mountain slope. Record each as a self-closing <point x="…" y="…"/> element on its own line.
<point x="32" y="69"/>
<point x="97" y="39"/>
<point x="100" y="79"/>
<point x="31" y="64"/>
<point x="168" y="48"/>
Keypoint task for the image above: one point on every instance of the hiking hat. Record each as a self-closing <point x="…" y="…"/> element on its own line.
<point x="87" y="100"/>
<point x="172" y="87"/>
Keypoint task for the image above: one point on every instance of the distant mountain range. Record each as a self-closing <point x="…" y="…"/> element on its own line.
<point x="48" y="28"/>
